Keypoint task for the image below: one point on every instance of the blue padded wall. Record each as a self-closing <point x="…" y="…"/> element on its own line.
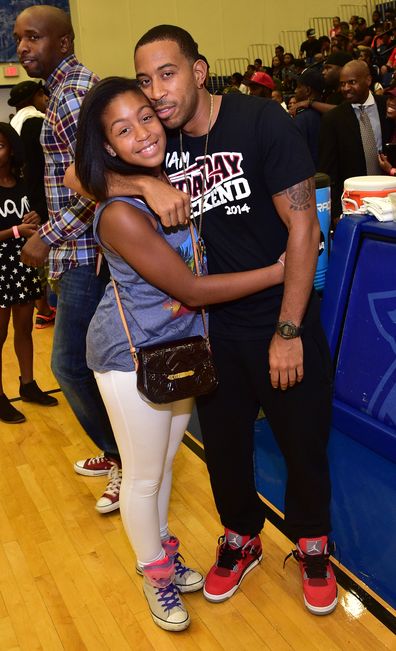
<point x="363" y="505"/>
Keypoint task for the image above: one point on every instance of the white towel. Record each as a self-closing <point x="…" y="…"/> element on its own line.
<point x="379" y="207"/>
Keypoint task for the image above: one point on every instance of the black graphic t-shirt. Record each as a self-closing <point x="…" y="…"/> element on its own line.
<point x="14" y="204"/>
<point x="254" y="152"/>
<point x="19" y="284"/>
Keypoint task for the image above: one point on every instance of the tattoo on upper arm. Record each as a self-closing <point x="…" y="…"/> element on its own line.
<point x="299" y="195"/>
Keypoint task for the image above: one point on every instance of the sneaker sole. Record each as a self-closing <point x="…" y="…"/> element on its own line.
<point x="170" y="626"/>
<point x="194" y="587"/>
<point x="53" y="404"/>
<point x="90" y="473"/>
<point x="108" y="509"/>
<point x="214" y="598"/>
<point x="14" y="422"/>
<point x="321" y="610"/>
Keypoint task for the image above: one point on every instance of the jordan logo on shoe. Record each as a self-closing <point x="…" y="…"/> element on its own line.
<point x="314" y="547"/>
<point x="234" y="540"/>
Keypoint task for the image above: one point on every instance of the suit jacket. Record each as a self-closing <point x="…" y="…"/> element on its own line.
<point x="341" y="153"/>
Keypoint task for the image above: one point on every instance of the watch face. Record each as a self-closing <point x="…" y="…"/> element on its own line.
<point x="287" y="330"/>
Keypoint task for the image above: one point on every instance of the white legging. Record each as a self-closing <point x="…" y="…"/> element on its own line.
<point x="148" y="436"/>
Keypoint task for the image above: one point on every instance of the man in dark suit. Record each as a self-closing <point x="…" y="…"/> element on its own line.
<point x="343" y="150"/>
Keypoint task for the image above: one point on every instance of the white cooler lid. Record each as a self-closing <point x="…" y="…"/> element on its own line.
<point x="363" y="183"/>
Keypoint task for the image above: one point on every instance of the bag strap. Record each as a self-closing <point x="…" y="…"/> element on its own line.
<point x="124" y="323"/>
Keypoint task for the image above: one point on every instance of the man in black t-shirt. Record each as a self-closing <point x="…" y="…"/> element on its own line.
<point x="310" y="47"/>
<point x="362" y="36"/>
<point x="269" y="348"/>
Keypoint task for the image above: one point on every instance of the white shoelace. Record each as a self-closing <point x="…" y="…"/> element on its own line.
<point x="115" y="476"/>
<point x="94" y="460"/>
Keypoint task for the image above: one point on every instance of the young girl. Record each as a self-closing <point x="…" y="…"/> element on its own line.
<point x="19" y="284"/>
<point x="276" y="71"/>
<point x="119" y="131"/>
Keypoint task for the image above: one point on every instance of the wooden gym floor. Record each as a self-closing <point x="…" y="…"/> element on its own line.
<point x="67" y="574"/>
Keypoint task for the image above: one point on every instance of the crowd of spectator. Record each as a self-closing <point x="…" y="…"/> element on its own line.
<point x="337" y="79"/>
<point x="375" y="44"/>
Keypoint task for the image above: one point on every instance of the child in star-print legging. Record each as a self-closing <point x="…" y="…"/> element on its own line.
<point x="19" y="284"/>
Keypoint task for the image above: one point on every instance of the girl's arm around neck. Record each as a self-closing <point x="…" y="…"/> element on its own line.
<point x="171" y="205"/>
<point x="130" y="232"/>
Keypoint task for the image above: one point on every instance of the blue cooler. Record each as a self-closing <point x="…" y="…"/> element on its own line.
<point x="323" y="207"/>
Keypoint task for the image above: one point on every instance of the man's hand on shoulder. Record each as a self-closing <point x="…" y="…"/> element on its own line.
<point x="170" y="204"/>
<point x="35" y="251"/>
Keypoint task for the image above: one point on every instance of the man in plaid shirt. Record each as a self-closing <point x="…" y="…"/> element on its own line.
<point x="44" y="37"/>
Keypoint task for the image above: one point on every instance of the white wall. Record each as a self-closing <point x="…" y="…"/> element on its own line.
<point x="108" y="30"/>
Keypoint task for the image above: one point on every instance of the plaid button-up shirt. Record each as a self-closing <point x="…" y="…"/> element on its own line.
<point x="69" y="228"/>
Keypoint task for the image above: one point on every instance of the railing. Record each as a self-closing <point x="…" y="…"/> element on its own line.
<point x="381" y="7"/>
<point x="216" y="84"/>
<point x="366" y="11"/>
<point x="322" y="26"/>
<point x="263" y="51"/>
<point x="372" y="5"/>
<point x="226" y="67"/>
<point x="292" y="39"/>
<point x="346" y="11"/>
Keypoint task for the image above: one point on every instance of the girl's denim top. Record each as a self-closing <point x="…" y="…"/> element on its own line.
<point x="152" y="316"/>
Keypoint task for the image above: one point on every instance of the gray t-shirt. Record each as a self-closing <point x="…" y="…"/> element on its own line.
<point x="151" y="315"/>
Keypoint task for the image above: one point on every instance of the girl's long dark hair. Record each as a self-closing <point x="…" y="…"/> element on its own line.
<point x="92" y="159"/>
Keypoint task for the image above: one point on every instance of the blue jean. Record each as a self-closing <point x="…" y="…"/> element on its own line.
<point x="80" y="291"/>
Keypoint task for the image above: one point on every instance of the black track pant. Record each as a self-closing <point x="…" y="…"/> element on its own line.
<point x="300" y="420"/>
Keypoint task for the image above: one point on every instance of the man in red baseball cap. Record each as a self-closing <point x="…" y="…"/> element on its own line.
<point x="261" y="84"/>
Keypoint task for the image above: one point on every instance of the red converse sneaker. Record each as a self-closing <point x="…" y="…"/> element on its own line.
<point x="319" y="583"/>
<point x="236" y="556"/>
<point x="110" y="500"/>
<point x="94" y="466"/>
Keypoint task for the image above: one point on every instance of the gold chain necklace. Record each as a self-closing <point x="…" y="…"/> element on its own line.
<point x="198" y="225"/>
